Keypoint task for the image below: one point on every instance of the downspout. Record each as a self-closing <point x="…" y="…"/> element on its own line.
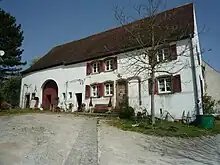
<point x="194" y="78"/>
<point x="139" y="92"/>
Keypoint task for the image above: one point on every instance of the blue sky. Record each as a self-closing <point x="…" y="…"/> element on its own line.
<point x="47" y="23"/>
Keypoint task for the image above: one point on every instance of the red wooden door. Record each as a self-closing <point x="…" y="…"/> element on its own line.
<point x="50" y="94"/>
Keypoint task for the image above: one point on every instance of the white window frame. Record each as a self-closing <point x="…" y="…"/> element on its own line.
<point x="165" y="84"/>
<point x="108" y="89"/>
<point x="163" y="55"/>
<point x="95" y="67"/>
<point x="94" y="91"/>
<point x="109" y="65"/>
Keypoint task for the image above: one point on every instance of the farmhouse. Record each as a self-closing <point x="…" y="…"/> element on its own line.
<point x="92" y="71"/>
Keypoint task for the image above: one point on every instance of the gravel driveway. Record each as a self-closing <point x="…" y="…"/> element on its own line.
<point x="43" y="139"/>
<point x="52" y="139"/>
<point x="131" y="148"/>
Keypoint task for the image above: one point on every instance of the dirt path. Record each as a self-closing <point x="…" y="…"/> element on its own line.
<point x="123" y="148"/>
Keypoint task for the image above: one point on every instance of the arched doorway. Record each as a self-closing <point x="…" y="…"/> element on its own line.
<point x="50" y="94"/>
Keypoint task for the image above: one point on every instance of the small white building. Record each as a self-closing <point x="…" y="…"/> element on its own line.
<point x="212" y="83"/>
<point x="95" y="67"/>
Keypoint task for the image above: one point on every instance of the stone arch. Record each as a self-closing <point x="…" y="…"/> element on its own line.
<point x="49" y="94"/>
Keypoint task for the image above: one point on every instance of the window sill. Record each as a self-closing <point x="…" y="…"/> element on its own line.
<point x="106" y="71"/>
<point x="109" y="70"/>
<point x="94" y="73"/>
<point x="165" y="93"/>
<point x="108" y="95"/>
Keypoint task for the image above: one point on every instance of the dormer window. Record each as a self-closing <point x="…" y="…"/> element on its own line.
<point x="109" y="65"/>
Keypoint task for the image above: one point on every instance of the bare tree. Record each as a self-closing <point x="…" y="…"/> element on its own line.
<point x="154" y="36"/>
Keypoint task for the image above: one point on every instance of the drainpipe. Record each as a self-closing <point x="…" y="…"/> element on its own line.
<point x="194" y="78"/>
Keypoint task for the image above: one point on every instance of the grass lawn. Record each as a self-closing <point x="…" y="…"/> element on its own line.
<point x="165" y="128"/>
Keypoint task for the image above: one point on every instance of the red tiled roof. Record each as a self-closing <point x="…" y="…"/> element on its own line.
<point x="117" y="40"/>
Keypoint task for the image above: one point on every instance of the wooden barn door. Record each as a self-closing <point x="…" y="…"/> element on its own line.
<point x="50" y="94"/>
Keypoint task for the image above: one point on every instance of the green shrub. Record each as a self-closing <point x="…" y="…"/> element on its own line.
<point x="209" y="104"/>
<point x="126" y="112"/>
<point x="10" y="90"/>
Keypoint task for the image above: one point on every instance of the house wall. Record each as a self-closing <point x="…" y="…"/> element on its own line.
<point x="67" y="79"/>
<point x="175" y="103"/>
<point x="73" y="78"/>
<point x="212" y="79"/>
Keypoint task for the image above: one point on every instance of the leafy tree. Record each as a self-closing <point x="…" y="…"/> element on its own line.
<point x="11" y="37"/>
<point x="209" y="104"/>
<point x="10" y="90"/>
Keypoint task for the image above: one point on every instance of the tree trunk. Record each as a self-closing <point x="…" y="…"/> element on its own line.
<point x="152" y="97"/>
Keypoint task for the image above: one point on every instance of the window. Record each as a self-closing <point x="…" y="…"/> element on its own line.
<point x="70" y="95"/>
<point x="162" y="54"/>
<point x="164" y="85"/>
<point x="64" y="95"/>
<point x="94" y="91"/>
<point x="109" y="65"/>
<point x="95" y="67"/>
<point x="33" y="96"/>
<point x="109" y="89"/>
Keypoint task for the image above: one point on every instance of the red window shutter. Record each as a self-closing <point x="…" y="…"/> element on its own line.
<point x="87" y="95"/>
<point x="100" y="89"/>
<point x="176" y="81"/>
<point x="173" y="52"/>
<point x="88" y="68"/>
<point x="115" y="63"/>
<point x="113" y="88"/>
<point x="101" y="66"/>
